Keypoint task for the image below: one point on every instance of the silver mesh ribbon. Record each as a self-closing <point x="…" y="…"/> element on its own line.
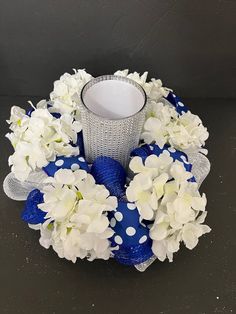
<point x="201" y="166"/>
<point x="18" y="190"/>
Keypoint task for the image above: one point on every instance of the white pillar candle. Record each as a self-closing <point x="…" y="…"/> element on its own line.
<point x="114" y="99"/>
<point x="113" y="112"/>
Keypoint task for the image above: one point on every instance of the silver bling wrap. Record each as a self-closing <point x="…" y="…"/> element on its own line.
<point x="112" y="129"/>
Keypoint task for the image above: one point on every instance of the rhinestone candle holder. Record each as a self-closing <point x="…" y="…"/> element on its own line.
<point x="112" y="112"/>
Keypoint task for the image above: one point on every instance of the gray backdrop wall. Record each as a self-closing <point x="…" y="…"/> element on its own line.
<point x="189" y="44"/>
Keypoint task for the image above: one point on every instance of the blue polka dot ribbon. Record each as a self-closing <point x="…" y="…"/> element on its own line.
<point x="177" y="103"/>
<point x="61" y="162"/>
<point x="131" y="244"/>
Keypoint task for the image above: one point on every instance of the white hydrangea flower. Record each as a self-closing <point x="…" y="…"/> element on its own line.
<point x="191" y="233"/>
<point x="146" y="188"/>
<point x="162" y="193"/>
<point x="76" y="208"/>
<point x="153" y="88"/>
<point x="153" y="164"/>
<point x="17" y="116"/>
<point x="66" y="93"/>
<point x="187" y="132"/>
<point x="163" y="125"/>
<point x="123" y="73"/>
<point x="140" y="191"/>
<point x="164" y="112"/>
<point x="26" y="158"/>
<point x="159" y="116"/>
<point x="178" y="219"/>
<point x="154" y="131"/>
<point x="170" y="243"/>
<point x="39" y="138"/>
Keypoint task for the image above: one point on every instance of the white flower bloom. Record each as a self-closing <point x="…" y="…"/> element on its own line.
<point x="158" y="184"/>
<point x="159" y="116"/>
<point x="162" y="162"/>
<point x="164" y="125"/>
<point x="18" y="124"/>
<point x="153" y="88"/>
<point x="159" y="248"/>
<point x="17" y="114"/>
<point x="122" y="72"/>
<point x="191" y="233"/>
<point x="46" y="236"/>
<point x="161" y="192"/>
<point x="141" y="80"/>
<point x="153" y="164"/>
<point x="147" y="187"/>
<point x="27" y="157"/>
<point x="82" y="75"/>
<point x="139" y="191"/>
<point x="67" y="128"/>
<point x="66" y="93"/>
<point x="42" y="104"/>
<point x="62" y="201"/>
<point x="164" y="112"/>
<point x="178" y="219"/>
<point x="76" y="208"/>
<point x="154" y="132"/>
<point x="179" y="173"/>
<point x="187" y="132"/>
<point x="163" y="249"/>
<point x="39" y="138"/>
<point x="163" y="222"/>
<point x="136" y="165"/>
<point x="180" y="212"/>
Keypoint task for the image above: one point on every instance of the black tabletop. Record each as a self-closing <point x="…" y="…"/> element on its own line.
<point x="34" y="280"/>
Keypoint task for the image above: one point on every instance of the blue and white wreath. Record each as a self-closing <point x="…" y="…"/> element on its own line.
<point x="99" y="210"/>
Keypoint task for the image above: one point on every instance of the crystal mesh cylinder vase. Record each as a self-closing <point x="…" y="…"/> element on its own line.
<point x="112" y="112"/>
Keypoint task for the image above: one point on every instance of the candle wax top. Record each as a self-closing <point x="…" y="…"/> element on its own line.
<point x="114" y="99"/>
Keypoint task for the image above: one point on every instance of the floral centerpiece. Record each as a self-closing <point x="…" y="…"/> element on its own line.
<point x="102" y="209"/>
